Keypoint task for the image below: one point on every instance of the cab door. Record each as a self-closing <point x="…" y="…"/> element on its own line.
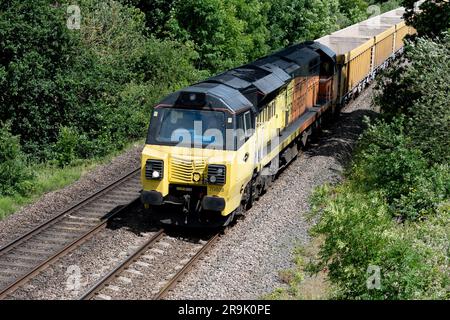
<point x="246" y="141"/>
<point x="289" y="97"/>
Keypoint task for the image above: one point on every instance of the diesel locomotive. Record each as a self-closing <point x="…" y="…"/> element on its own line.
<point x="215" y="147"/>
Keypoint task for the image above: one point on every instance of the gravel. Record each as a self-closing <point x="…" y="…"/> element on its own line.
<point x="54" y="202"/>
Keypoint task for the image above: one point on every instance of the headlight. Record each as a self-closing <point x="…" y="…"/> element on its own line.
<point x="216" y="174"/>
<point x="155" y="174"/>
<point x="154" y="169"/>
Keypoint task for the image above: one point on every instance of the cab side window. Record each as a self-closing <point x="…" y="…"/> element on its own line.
<point x="244" y="128"/>
<point x="240" y="131"/>
<point x="248" y="124"/>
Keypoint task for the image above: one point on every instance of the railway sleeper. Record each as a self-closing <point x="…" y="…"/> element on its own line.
<point x="99" y="205"/>
<point x="33" y="251"/>
<point x="8" y="273"/>
<point x="51" y="239"/>
<point x="32" y="259"/>
<point x="16" y="264"/>
<point x="96" y="215"/>
<point x="83" y="218"/>
<point x="126" y="193"/>
<point x="69" y="228"/>
<point x="62" y="233"/>
<point x="129" y="185"/>
<point x="80" y="223"/>
<point x="121" y="197"/>
<point x="4" y="278"/>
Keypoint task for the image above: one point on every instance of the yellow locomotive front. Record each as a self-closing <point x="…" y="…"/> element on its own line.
<point x="190" y="169"/>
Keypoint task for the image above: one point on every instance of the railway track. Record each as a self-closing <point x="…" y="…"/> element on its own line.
<point x="25" y="257"/>
<point x="111" y="282"/>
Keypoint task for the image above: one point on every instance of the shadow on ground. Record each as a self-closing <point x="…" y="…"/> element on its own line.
<point x="339" y="138"/>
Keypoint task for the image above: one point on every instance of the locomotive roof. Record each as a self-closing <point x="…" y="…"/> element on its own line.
<point x="247" y="86"/>
<point x="208" y="95"/>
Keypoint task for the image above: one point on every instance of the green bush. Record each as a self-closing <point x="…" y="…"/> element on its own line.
<point x="35" y="45"/>
<point x="387" y="161"/>
<point x="431" y="20"/>
<point x="15" y="175"/>
<point x="359" y="233"/>
<point x="419" y="91"/>
<point x="389" y="5"/>
<point x="290" y="22"/>
<point x="393" y="211"/>
<point x="66" y="146"/>
<point x="214" y="29"/>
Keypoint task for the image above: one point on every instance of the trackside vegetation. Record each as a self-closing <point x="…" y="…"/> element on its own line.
<point x="76" y="94"/>
<point x="385" y="231"/>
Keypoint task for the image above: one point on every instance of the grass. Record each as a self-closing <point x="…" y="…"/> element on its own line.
<point x="50" y="177"/>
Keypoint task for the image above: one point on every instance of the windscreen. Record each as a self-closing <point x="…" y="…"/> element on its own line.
<point x="187" y="127"/>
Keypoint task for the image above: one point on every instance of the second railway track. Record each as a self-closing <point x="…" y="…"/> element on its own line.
<point x="26" y="256"/>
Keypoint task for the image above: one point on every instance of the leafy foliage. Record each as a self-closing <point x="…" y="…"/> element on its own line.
<point x="390" y="164"/>
<point x="352" y="11"/>
<point x="254" y="14"/>
<point x="31" y="69"/>
<point x="419" y="90"/>
<point x="215" y="31"/>
<point x="291" y="22"/>
<point x="66" y="146"/>
<point x="359" y="232"/>
<point x="157" y="13"/>
<point x="433" y="18"/>
<point x="14" y="172"/>
<point x="230" y="32"/>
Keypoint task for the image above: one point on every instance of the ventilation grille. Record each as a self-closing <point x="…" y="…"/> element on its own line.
<point x="182" y="170"/>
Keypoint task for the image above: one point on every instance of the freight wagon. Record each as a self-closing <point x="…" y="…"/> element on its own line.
<point x="364" y="49"/>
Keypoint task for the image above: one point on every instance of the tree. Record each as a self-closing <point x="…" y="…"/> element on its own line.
<point x="352" y="11"/>
<point x="215" y="31"/>
<point x="419" y="90"/>
<point x="14" y="173"/>
<point x="35" y="45"/>
<point x="295" y="21"/>
<point x="157" y="14"/>
<point x="101" y="80"/>
<point x="254" y="14"/>
<point x="433" y="18"/>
